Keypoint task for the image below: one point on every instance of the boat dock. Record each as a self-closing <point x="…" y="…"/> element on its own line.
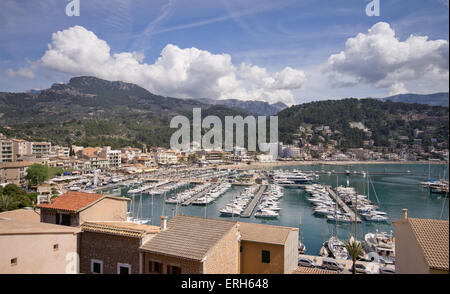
<point x="200" y="194"/>
<point x="249" y="209"/>
<point x="344" y="206"/>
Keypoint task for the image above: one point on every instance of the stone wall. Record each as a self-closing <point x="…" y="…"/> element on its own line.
<point x="111" y="249"/>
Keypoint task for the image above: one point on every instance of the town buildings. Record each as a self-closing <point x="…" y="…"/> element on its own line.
<point x="94" y="226"/>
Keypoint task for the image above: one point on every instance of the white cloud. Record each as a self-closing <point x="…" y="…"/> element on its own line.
<point x="21" y="72"/>
<point x="398" y="88"/>
<point x="380" y="59"/>
<point x="185" y="73"/>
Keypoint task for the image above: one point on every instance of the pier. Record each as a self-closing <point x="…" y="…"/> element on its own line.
<point x="249" y="209"/>
<point x="198" y="195"/>
<point x="344" y="206"/>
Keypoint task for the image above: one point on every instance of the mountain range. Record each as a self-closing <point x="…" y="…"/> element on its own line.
<point x="256" y="107"/>
<point x="92" y="111"/>
<point x="95" y="112"/>
<point x="440" y="99"/>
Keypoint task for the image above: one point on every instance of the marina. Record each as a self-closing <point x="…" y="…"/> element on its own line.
<point x="394" y="192"/>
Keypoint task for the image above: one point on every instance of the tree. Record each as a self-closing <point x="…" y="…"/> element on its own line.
<point x="37" y="173"/>
<point x="12" y="197"/>
<point x="354" y="249"/>
<point x="6" y="201"/>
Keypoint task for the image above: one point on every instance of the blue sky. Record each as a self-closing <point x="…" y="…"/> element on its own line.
<point x="245" y="46"/>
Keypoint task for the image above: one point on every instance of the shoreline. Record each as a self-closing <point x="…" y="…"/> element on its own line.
<point x="321" y="162"/>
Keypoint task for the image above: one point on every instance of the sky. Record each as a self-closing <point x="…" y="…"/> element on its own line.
<point x="289" y="51"/>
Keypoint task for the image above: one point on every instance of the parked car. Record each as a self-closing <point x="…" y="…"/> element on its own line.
<point x="361" y="269"/>
<point x="331" y="264"/>
<point x="386" y="270"/>
<point x="303" y="261"/>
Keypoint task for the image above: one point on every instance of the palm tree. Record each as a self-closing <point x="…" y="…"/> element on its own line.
<point x="354" y="249"/>
<point x="5" y="202"/>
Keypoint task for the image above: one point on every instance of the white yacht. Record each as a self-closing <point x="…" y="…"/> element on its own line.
<point x="381" y="243"/>
<point x="267" y="213"/>
<point x="337" y="248"/>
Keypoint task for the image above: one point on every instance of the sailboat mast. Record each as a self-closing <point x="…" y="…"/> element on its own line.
<point x="151" y="217"/>
<point x="356" y="209"/>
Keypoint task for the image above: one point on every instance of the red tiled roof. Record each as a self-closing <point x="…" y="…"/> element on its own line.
<point x="72" y="201"/>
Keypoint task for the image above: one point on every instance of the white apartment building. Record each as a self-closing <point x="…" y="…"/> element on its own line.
<point x="59" y="151"/>
<point x="6" y="151"/>
<point x="166" y="157"/>
<point x="113" y="156"/>
<point x="131" y="153"/>
<point x="40" y="149"/>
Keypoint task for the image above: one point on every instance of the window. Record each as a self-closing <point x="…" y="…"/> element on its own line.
<point x="123" y="268"/>
<point x="55" y="247"/>
<point x="265" y="256"/>
<point x="155" y="267"/>
<point x="96" y="266"/>
<point x="175" y="270"/>
<point x="14" y="261"/>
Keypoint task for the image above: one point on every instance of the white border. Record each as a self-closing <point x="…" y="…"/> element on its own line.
<point x="92" y="265"/>
<point x="123" y="265"/>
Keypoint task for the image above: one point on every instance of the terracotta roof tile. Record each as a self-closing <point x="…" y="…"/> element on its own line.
<point x="188" y="237"/>
<point x="313" y="271"/>
<point x="126" y="229"/>
<point x="432" y="236"/>
<point x="74" y="201"/>
<point x="264" y="233"/>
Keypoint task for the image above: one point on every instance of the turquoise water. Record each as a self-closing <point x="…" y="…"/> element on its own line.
<point x="394" y="191"/>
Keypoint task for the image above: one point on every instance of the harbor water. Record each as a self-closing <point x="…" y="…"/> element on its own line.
<point x="392" y="187"/>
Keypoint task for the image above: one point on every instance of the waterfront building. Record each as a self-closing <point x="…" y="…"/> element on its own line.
<point x="265" y="158"/>
<point x="214" y="156"/>
<point x="421" y="246"/>
<point x="113" y="157"/>
<point x="166" y="157"/>
<point x="74" y="208"/>
<point x="146" y="160"/>
<point x="130" y="153"/>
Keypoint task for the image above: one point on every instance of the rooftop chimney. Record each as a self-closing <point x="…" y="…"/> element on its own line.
<point x="405" y="213"/>
<point x="163" y="223"/>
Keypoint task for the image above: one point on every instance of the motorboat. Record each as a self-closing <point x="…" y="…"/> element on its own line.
<point x="337" y="248"/>
<point x="382" y="244"/>
<point x="267" y="213"/>
<point x="339" y="218"/>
